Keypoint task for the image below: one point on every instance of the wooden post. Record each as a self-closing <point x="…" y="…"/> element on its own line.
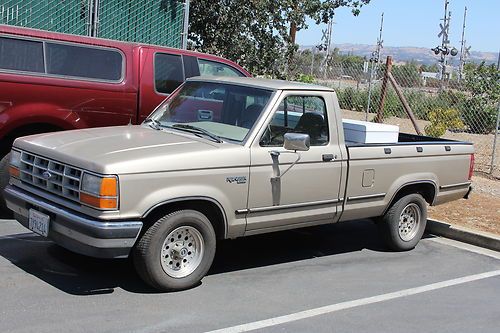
<point x="380" y="112"/>
<point x="406" y="106"/>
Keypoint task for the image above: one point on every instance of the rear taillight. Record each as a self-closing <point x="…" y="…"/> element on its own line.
<point x="471" y="166"/>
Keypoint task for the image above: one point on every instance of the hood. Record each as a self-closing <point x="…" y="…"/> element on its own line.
<point x="133" y="149"/>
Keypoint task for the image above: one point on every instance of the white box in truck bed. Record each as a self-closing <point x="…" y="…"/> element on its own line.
<point x="365" y="132"/>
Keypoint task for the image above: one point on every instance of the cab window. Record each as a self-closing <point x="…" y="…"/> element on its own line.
<point x="298" y="114"/>
<point x="213" y="68"/>
<point x="168" y="72"/>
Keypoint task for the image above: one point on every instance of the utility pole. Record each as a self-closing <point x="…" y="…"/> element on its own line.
<point x="327" y="41"/>
<point x="464" y="50"/>
<point x="374" y="62"/>
<point x="445" y="30"/>
<point x="185" y="25"/>
<point x="445" y="49"/>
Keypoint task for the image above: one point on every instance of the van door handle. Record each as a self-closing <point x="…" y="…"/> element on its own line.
<point x="329" y="157"/>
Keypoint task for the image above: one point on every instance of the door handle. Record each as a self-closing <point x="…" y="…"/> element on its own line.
<point x="329" y="157"/>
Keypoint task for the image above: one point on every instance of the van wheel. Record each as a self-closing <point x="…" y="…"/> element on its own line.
<point x="4" y="181"/>
<point x="404" y="223"/>
<point x="176" y="252"/>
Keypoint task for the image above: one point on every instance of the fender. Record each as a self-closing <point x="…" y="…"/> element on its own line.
<point x="190" y="198"/>
<point x="422" y="180"/>
<point x="24" y="115"/>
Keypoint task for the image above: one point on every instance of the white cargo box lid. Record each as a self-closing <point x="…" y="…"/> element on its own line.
<point x="365" y="132"/>
<point x="365" y="126"/>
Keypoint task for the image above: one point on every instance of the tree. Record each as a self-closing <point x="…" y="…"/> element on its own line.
<point x="483" y="83"/>
<point x="258" y="34"/>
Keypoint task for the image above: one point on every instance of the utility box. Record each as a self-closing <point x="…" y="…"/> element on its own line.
<point x="357" y="131"/>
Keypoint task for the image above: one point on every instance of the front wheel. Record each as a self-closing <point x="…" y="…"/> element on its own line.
<point x="404" y="223"/>
<point x="176" y="252"/>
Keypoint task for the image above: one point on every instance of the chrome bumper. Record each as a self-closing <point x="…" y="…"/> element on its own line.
<point x="74" y="231"/>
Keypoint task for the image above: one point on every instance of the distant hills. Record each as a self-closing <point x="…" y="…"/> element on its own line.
<point x="404" y="54"/>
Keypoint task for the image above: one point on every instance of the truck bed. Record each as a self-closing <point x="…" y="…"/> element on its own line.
<point x="379" y="170"/>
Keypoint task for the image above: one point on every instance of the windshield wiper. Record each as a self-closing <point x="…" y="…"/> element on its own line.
<point x="195" y="129"/>
<point x="153" y="123"/>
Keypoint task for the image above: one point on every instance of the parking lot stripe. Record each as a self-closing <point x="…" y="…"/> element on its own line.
<point x="467" y="247"/>
<point x="352" y="304"/>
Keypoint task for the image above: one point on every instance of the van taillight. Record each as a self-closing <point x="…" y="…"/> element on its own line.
<point x="471" y="166"/>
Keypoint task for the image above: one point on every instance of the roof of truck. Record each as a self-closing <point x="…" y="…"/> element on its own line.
<point x="262" y="83"/>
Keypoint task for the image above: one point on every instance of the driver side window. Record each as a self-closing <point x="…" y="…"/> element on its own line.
<point x="298" y="114"/>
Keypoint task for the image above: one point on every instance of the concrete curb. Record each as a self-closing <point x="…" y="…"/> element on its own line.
<point x="461" y="234"/>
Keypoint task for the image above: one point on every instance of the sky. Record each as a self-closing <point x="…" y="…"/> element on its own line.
<point x="413" y="23"/>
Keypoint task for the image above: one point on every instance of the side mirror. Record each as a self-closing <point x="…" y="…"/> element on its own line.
<point x="296" y="141"/>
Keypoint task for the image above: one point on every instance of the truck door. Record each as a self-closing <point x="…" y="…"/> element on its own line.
<point x="309" y="192"/>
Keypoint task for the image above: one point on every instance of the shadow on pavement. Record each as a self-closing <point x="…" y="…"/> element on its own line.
<point x="80" y="275"/>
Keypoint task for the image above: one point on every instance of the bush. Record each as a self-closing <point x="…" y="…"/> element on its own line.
<point x="441" y="120"/>
<point x="479" y="117"/>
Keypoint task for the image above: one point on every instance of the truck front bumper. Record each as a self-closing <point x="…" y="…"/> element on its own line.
<point x="74" y="231"/>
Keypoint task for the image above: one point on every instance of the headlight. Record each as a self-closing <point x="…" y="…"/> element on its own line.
<point x="15" y="163"/>
<point x="99" y="191"/>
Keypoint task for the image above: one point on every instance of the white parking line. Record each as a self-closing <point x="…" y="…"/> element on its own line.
<point x="465" y="246"/>
<point x="352" y="304"/>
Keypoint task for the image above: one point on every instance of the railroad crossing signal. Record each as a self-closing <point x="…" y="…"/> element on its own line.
<point x="444" y="30"/>
<point x="467" y="51"/>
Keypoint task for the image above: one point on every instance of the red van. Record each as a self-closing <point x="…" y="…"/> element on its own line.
<point x="51" y="81"/>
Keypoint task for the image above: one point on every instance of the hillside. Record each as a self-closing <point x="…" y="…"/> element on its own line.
<point x="404" y="54"/>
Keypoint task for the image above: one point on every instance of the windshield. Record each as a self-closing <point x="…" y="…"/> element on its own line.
<point x="222" y="110"/>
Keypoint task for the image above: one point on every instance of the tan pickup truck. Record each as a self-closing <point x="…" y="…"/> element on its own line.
<point x="225" y="158"/>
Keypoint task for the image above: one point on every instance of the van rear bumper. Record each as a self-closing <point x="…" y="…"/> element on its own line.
<point x="74" y="231"/>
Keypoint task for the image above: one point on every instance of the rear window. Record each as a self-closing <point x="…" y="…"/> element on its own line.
<point x="84" y="62"/>
<point x="213" y="68"/>
<point x="21" y="55"/>
<point x="168" y="72"/>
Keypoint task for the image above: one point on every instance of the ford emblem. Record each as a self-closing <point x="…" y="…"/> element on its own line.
<point x="46" y="175"/>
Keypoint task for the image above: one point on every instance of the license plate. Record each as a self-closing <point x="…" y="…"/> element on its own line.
<point x="39" y="222"/>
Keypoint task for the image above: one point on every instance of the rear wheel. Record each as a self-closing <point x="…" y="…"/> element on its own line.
<point x="4" y="181"/>
<point x="176" y="251"/>
<point x="404" y="223"/>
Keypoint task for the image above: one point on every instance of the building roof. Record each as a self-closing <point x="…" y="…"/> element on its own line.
<point x="262" y="83"/>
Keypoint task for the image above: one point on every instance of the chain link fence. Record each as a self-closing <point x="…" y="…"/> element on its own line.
<point x="157" y="22"/>
<point x="462" y="108"/>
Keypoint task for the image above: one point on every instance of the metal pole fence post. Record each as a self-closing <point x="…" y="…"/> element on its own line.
<point x="186" y="25"/>
<point x="95" y="19"/>
<point x="493" y="153"/>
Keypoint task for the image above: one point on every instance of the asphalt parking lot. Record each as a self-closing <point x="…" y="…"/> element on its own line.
<point x="337" y="278"/>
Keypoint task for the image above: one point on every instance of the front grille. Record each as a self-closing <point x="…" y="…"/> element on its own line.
<point x="52" y="176"/>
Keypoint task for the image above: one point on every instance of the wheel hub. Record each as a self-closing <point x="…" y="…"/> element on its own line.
<point x="182" y="252"/>
<point x="409" y="221"/>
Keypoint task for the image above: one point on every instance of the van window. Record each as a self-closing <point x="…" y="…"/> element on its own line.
<point x="21" y="55"/>
<point x="168" y="72"/>
<point x="84" y="62"/>
<point x="213" y="68"/>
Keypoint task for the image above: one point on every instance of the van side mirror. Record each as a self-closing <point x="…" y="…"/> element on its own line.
<point x="296" y="141"/>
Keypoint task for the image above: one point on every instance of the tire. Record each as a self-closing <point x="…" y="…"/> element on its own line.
<point x="403" y="224"/>
<point x="176" y="252"/>
<point x="4" y="181"/>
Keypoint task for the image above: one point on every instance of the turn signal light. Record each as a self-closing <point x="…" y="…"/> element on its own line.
<point x="97" y="202"/>
<point x="108" y="187"/>
<point x="14" y="172"/>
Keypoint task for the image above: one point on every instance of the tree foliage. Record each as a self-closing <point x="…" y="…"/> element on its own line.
<point x="256" y="33"/>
